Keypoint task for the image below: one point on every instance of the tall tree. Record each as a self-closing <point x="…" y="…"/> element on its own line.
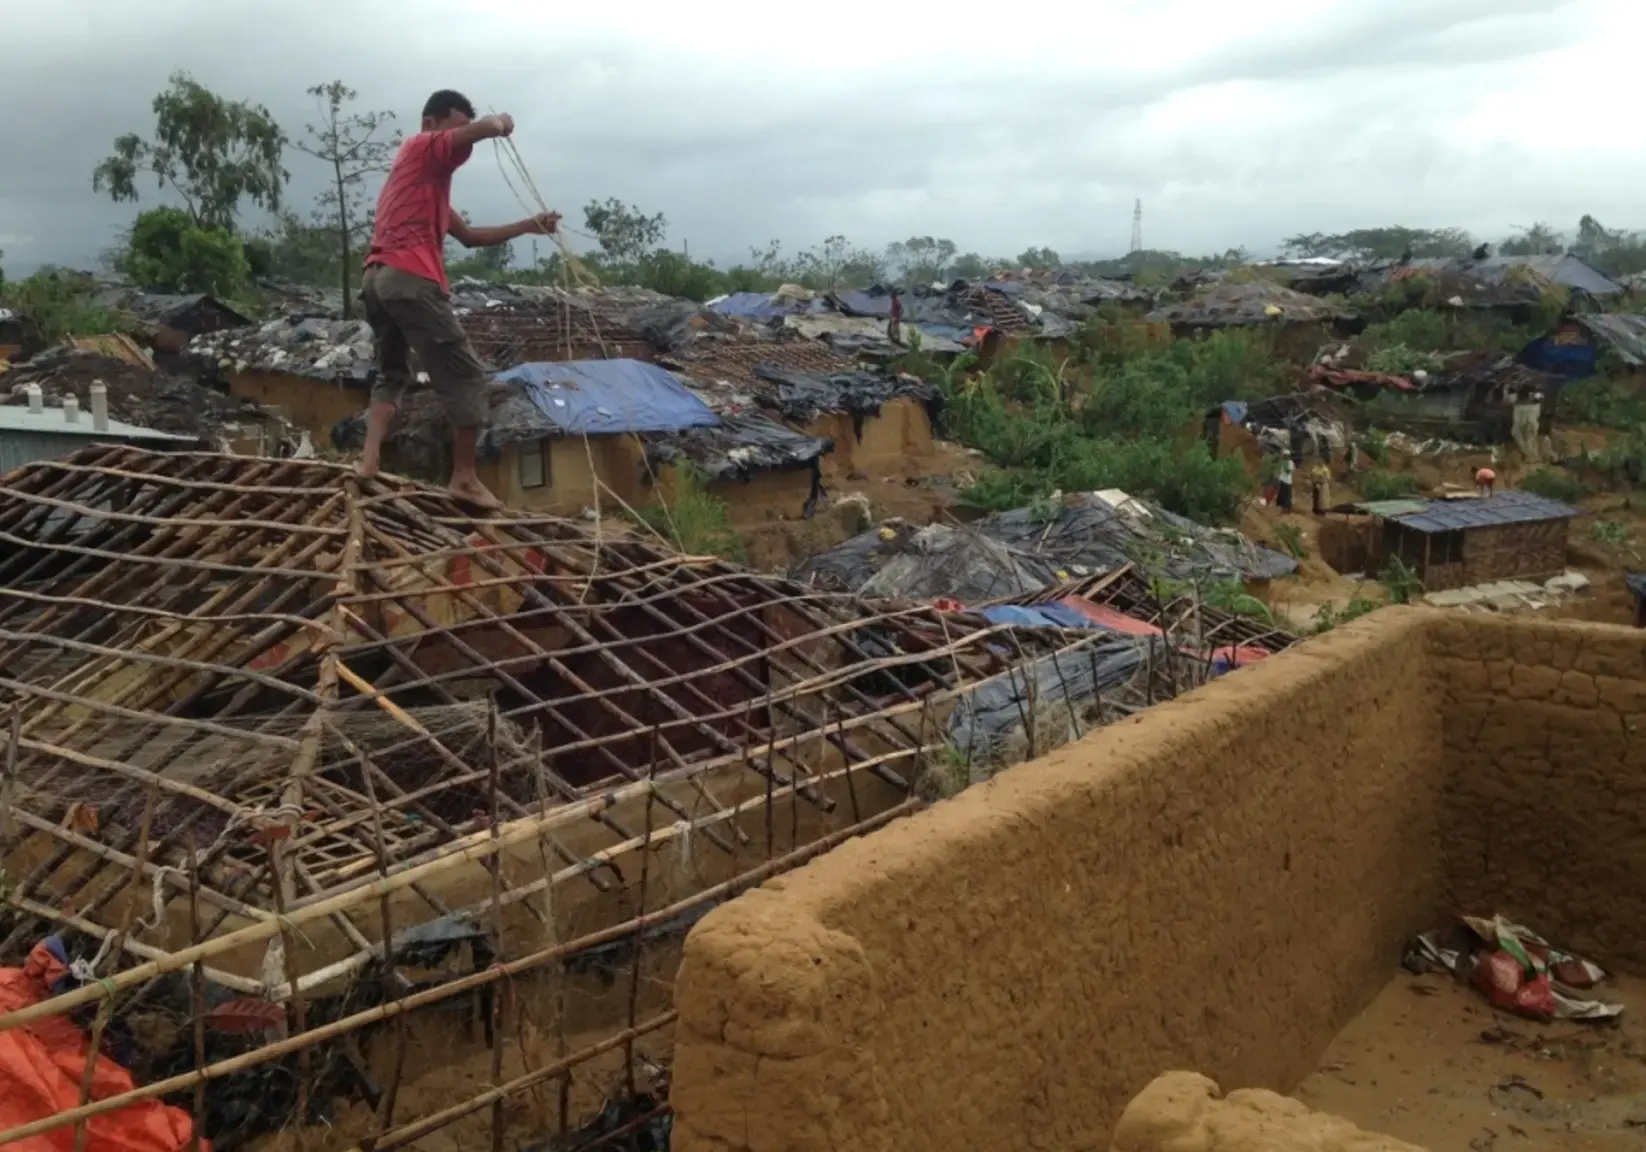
<point x="355" y="146"/>
<point x="921" y="258"/>
<point x="1539" y="239"/>
<point x="213" y="153"/>
<point x="1383" y="243"/>
<point x="625" y="232"/>
<point x="1039" y="259"/>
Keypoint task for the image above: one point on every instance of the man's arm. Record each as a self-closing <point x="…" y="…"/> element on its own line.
<point x="492" y="235"/>
<point x="485" y="128"/>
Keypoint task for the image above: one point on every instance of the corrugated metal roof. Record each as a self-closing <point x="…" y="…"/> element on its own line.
<point x="1624" y="332"/>
<point x="17" y="418"/>
<point x="1511" y="507"/>
<point x="1391" y="508"/>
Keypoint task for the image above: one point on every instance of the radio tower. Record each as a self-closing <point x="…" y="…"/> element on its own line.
<point x="1137" y="226"/>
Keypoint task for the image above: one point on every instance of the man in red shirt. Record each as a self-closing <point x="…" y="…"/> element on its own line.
<point x="407" y="297"/>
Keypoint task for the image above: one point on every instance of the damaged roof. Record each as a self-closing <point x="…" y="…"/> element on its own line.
<point x="371" y="670"/>
<point x="1623" y="332"/>
<point x="1245" y="303"/>
<point x="1563" y="269"/>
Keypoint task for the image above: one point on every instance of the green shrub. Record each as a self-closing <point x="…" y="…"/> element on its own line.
<point x="1376" y="444"/>
<point x="1381" y="484"/>
<point x="1602" y="402"/>
<point x="695" y="522"/>
<point x="1418" y="329"/>
<point x="1553" y="485"/>
<point x="60" y="302"/>
<point x="1290" y="537"/>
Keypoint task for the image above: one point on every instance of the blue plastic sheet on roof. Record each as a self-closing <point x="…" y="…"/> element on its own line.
<point x="598" y="397"/>
<point x="1039" y="616"/>
<point x="1234" y="411"/>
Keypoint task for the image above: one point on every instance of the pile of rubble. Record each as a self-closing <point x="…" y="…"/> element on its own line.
<point x="136" y="395"/>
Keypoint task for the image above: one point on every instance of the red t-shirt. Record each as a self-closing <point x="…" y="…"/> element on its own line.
<point x="414" y="209"/>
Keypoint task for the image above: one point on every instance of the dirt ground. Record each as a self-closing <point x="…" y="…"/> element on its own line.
<point x="1433" y="1063"/>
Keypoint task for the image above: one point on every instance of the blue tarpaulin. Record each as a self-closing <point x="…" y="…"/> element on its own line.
<point x="600" y="397"/>
<point x="1039" y="616"/>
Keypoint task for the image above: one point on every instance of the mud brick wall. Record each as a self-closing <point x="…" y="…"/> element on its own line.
<point x="1219" y="884"/>
<point x="1544" y="728"/>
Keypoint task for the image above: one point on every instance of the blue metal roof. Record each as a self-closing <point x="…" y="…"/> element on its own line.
<point x="1511" y="507"/>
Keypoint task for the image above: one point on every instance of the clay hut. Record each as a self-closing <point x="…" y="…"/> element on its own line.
<point x="330" y="794"/>
<point x="878" y="423"/>
<point x="1512" y="535"/>
<point x="1299" y="323"/>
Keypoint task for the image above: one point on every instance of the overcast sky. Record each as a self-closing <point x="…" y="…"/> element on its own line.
<point x="999" y="126"/>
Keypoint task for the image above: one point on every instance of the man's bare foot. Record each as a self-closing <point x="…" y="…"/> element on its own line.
<point x="366" y="468"/>
<point x="470" y="488"/>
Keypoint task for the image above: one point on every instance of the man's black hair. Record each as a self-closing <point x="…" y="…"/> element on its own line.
<point x="444" y="102"/>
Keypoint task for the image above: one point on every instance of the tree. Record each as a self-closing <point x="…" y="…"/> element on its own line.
<point x="970" y="266"/>
<point x="834" y="264"/>
<point x="1040" y="259"/>
<point x="211" y="152"/>
<point x="1538" y="240"/>
<point x="625" y="233"/>
<point x="354" y="146"/>
<point x="921" y="258"/>
<point x="169" y="252"/>
<point x="1382" y="243"/>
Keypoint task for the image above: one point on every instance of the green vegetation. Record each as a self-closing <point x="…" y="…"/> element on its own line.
<point x="1603" y="402"/>
<point x="1609" y="532"/>
<point x="60" y="303"/>
<point x="694" y="522"/>
<point x="1381" y="484"/>
<point x="1329" y="615"/>
<point x="1401" y="360"/>
<point x="1553" y="485"/>
<point x="168" y="252"/>
<point x="1290" y="537"/>
<point x="1104" y="420"/>
<point x="1376" y="444"/>
<point x="1400" y="582"/>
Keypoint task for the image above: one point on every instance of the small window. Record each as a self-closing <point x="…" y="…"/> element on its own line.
<point x="534" y="464"/>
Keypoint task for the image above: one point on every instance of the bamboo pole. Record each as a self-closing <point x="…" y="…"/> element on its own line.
<point x="457" y="987"/>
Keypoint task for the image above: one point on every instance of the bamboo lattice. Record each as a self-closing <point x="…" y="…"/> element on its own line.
<point x="255" y="702"/>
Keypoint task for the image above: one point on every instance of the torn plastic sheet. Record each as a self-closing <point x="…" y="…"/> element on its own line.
<point x="803" y="396"/>
<point x="1514" y="968"/>
<point x="1062" y="684"/>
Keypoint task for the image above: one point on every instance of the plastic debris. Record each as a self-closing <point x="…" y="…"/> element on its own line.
<point x="1514" y="968"/>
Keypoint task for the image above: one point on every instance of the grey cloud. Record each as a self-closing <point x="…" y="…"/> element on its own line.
<point x="995" y="156"/>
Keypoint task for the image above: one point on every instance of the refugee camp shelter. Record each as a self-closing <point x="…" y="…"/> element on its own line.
<point x="877" y="423"/>
<point x="313" y="370"/>
<point x="1299" y="323"/>
<point x="168" y="321"/>
<point x="1509" y="535"/>
<point x="1562" y="269"/>
<point x="32" y="432"/>
<point x="567" y="436"/>
<point x="345" y="744"/>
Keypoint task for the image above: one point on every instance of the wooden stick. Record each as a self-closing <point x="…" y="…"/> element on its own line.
<point x="197" y="999"/>
<point x="448" y="990"/>
<point x="495" y="863"/>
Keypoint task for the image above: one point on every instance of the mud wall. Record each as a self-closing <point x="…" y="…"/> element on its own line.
<point x="1546" y="777"/>
<point x="1192" y="888"/>
<point x="1183" y="1112"/>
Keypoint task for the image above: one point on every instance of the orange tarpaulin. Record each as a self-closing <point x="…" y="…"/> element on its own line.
<point x="42" y="1065"/>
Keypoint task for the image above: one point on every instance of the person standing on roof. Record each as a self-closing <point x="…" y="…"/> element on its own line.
<point x="1485" y="479"/>
<point x="894" y="326"/>
<point x="407" y="297"/>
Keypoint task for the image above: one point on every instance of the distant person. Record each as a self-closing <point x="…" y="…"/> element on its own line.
<point x="407" y="297"/>
<point x="1485" y="478"/>
<point x="894" y="326"/>
<point x="1283" y="484"/>
<point x="1320" y="484"/>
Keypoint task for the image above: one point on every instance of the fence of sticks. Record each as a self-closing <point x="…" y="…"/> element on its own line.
<point x="334" y="813"/>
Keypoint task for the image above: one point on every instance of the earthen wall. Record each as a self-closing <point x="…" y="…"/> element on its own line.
<point x="1187" y="889"/>
<point x="1219" y="884"/>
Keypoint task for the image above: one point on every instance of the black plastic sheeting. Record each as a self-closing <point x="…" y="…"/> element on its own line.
<point x="1020" y="551"/>
<point x="939" y="561"/>
<point x="803" y="396"/>
<point x="985" y="718"/>
<point x="743" y="445"/>
<point x="1088" y="533"/>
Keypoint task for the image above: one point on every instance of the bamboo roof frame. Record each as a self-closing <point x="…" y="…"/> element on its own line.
<point x="274" y="664"/>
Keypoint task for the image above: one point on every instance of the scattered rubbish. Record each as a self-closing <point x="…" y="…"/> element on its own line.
<point x="1516" y="969"/>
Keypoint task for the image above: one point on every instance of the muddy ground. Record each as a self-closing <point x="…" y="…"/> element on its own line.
<point x="1433" y="1063"/>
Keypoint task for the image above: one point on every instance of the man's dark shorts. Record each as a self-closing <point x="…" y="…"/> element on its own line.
<point x="410" y="313"/>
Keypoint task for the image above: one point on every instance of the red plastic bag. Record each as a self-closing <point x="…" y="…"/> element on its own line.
<point x="1511" y="987"/>
<point x="41" y="1065"/>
